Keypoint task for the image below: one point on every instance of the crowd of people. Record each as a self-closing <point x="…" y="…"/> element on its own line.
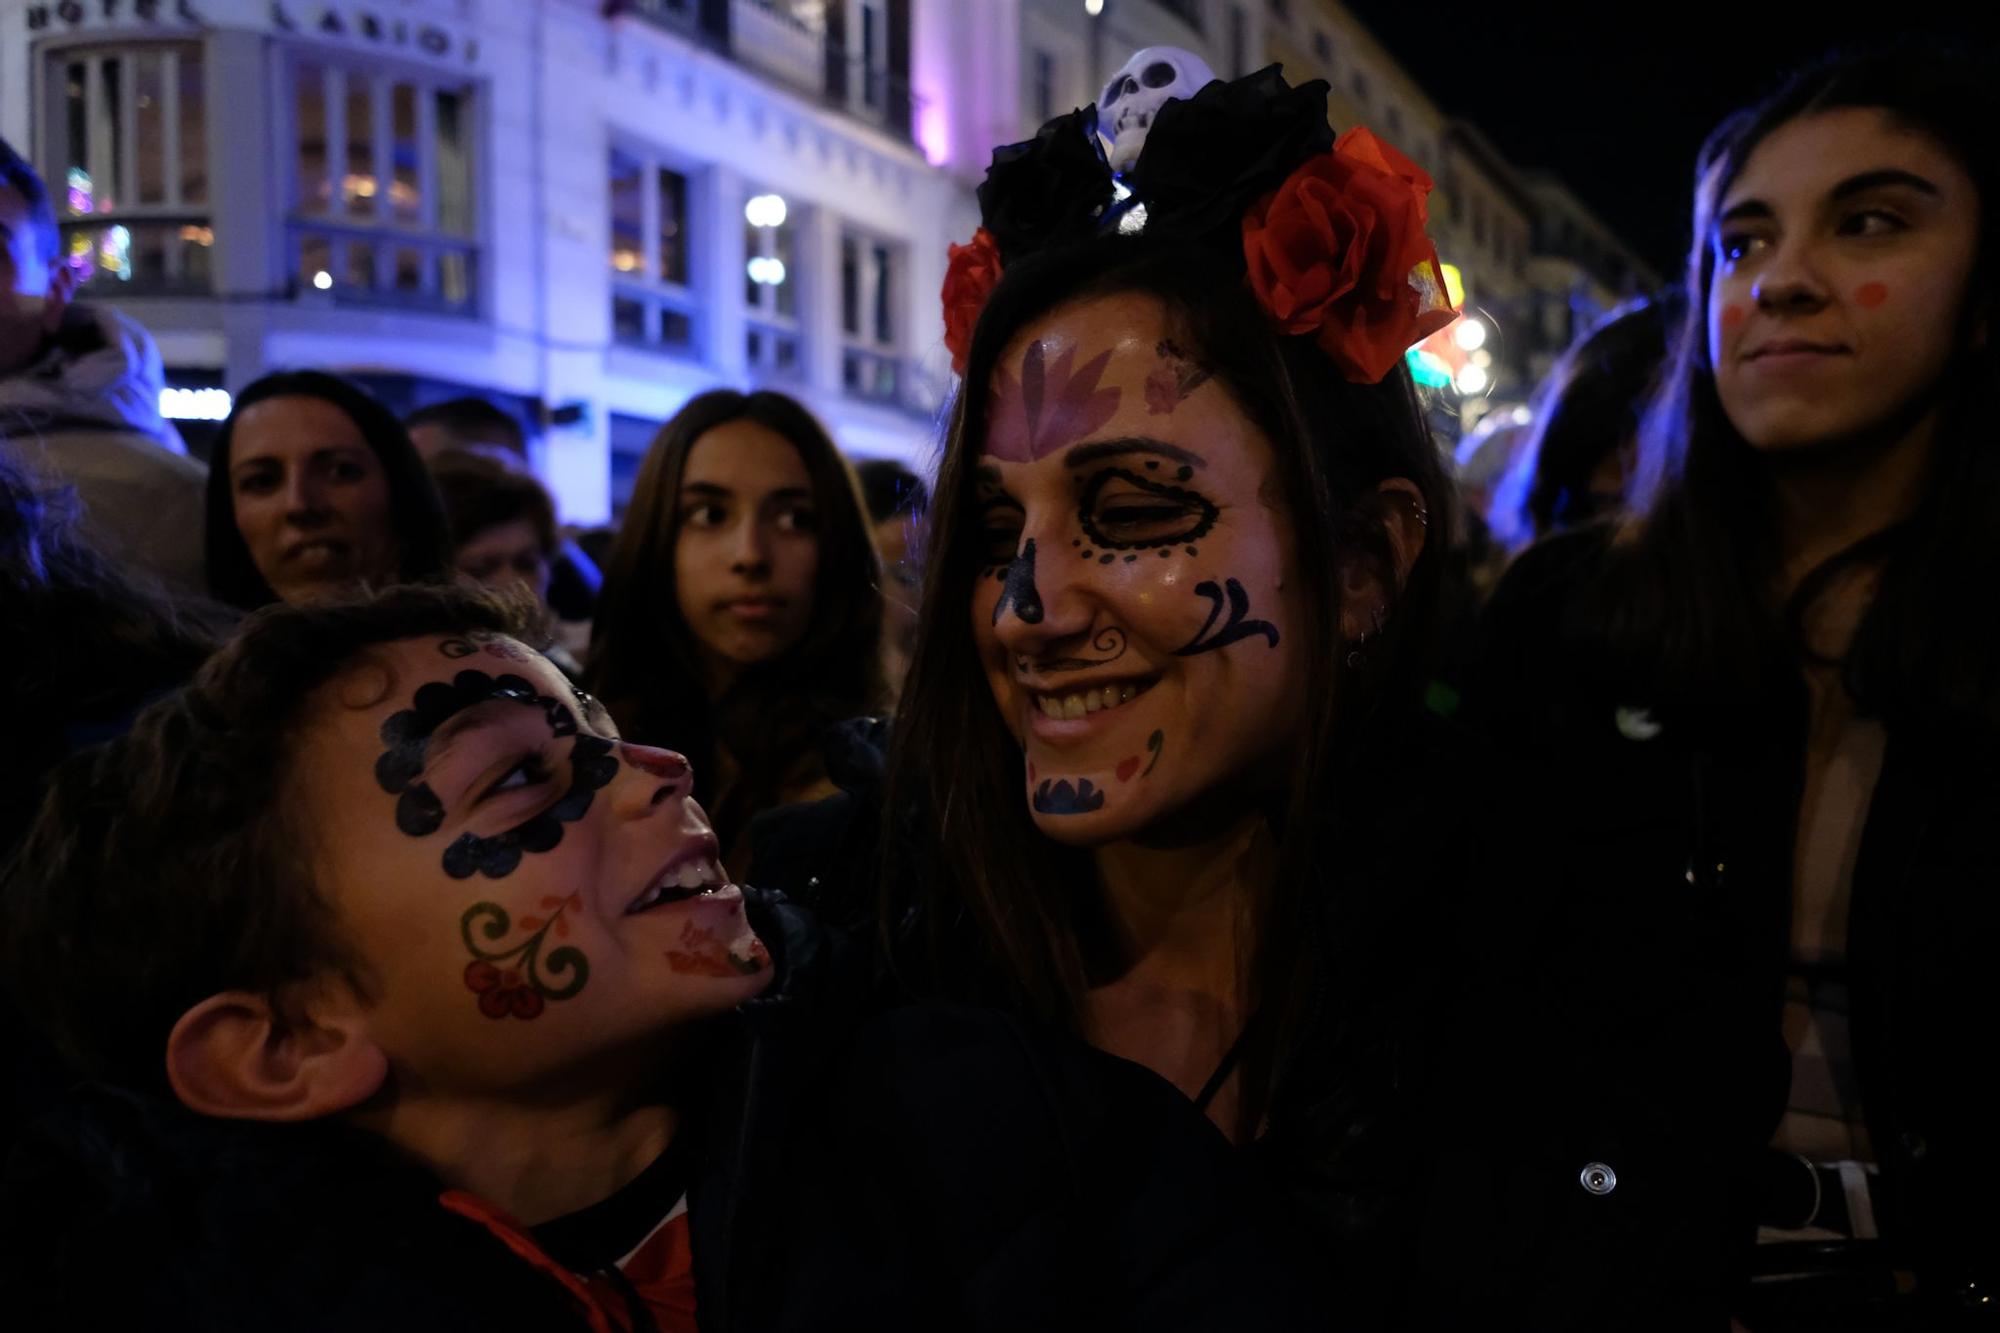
<point x="1186" y="871"/>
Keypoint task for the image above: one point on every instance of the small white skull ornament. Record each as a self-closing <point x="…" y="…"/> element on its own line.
<point x="1137" y="92"/>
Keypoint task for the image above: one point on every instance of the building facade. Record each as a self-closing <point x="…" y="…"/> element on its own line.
<point x="587" y="212"/>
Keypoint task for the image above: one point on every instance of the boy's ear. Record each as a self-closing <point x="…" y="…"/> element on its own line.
<point x="62" y="290"/>
<point x="235" y="1056"/>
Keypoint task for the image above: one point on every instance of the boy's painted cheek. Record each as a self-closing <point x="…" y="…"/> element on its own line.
<point x="704" y="953"/>
<point x="1871" y="295"/>
<point x="509" y="972"/>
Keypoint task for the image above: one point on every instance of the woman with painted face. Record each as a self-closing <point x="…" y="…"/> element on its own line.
<point x="1753" y="731"/>
<point x="741" y="614"/>
<point x="1155" y="751"/>
<point x="315" y="490"/>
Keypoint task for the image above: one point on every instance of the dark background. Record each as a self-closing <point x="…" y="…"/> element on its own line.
<point x="1615" y="98"/>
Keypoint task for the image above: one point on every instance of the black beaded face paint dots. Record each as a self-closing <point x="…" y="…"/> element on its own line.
<point x="419" y="812"/>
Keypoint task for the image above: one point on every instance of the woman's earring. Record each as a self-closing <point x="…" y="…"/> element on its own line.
<point x="1359" y="653"/>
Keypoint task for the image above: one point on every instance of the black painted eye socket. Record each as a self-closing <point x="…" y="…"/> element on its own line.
<point x="1158" y="74"/>
<point x="1123" y="511"/>
<point x="1000" y="531"/>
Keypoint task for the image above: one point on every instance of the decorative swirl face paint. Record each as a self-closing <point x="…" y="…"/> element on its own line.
<point x="1158" y="570"/>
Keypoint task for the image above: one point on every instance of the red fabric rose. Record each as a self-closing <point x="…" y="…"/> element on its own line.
<point x="968" y="280"/>
<point x="1339" y="250"/>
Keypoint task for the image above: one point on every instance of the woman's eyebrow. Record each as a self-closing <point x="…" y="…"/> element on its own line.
<point x="1131" y="444"/>
<point x="1885" y="178"/>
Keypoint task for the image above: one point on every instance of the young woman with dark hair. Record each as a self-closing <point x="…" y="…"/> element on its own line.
<point x="1155" y="768"/>
<point x="314" y="489"/>
<point x="741" y="614"/>
<point x="1753" y="733"/>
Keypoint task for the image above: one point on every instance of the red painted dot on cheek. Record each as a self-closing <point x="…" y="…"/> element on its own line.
<point x="1733" y="316"/>
<point x="1870" y="295"/>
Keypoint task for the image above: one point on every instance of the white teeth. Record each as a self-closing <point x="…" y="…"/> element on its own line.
<point x="1084" y="703"/>
<point x="689" y="876"/>
<point x="1091" y="702"/>
<point x="1072" y="706"/>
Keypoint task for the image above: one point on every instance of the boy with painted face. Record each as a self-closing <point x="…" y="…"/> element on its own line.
<point x="400" y="977"/>
<point x="390" y="906"/>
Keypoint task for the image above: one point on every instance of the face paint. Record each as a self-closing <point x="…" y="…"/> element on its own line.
<point x="1174" y="379"/>
<point x="1065" y="798"/>
<point x="1129" y="768"/>
<point x="1237" y="628"/>
<point x="1871" y="295"/>
<point x="1019" y="589"/>
<point x="704" y="954"/>
<point x="1054" y="404"/>
<point x="509" y="980"/>
<point x="1110" y="642"/>
<point x="1121" y="510"/>
<point x="1733" y="316"/>
<point x="419" y="812"/>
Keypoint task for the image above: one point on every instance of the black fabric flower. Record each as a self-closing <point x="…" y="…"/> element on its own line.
<point x="1047" y="190"/>
<point x="1208" y="158"/>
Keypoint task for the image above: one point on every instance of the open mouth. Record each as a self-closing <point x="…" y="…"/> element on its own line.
<point x="1073" y="704"/>
<point x="693" y="871"/>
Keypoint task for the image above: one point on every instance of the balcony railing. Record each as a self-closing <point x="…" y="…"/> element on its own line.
<point x="771" y="39"/>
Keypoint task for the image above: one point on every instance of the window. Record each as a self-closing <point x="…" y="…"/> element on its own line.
<point x="869" y="364"/>
<point x="1393" y="118"/>
<point x="1323" y="46"/>
<point x="874" y="52"/>
<point x="128" y="143"/>
<point x="1479" y="222"/>
<point x="1280" y="9"/>
<point x="1045" y="86"/>
<point x="771" y="286"/>
<point x="1361" y="87"/>
<point x="382" y="192"/>
<point x="1454" y="202"/>
<point x="652" y="298"/>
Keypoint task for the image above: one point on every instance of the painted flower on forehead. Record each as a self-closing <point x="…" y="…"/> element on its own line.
<point x="969" y="278"/>
<point x="1339" y="251"/>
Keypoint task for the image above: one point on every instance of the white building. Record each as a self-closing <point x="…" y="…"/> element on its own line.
<point x="586" y="211"/>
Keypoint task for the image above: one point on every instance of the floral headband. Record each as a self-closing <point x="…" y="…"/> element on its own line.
<point x="1331" y="231"/>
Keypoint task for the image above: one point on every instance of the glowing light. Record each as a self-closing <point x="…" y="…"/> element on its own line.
<point x="765" y="210"/>
<point x="195" y="404"/>
<point x="766" y="271"/>
<point x="198" y="234"/>
<point x="1427" y="368"/>
<point x="628" y="261"/>
<point x="1093" y="7"/>
<point x="1470" y="334"/>
<point x="934" y="132"/>
<point x="1454" y="284"/>
<point x="80" y="191"/>
<point x="1473" y="379"/>
<point x="323" y="280"/>
<point x="114" y="252"/>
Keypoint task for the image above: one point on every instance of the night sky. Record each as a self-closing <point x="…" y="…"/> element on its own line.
<point x="1616" y="97"/>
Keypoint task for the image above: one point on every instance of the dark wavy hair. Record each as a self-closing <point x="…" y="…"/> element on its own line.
<point x="414" y="510"/>
<point x="643" y="661"/>
<point x="963" y="850"/>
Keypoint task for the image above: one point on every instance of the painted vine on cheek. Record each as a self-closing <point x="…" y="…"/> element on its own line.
<point x="509" y="980"/>
<point x="1238" y="626"/>
<point x="706" y="954"/>
<point x="419" y="812"/>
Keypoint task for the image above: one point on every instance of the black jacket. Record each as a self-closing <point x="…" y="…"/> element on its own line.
<point x="1633" y="970"/>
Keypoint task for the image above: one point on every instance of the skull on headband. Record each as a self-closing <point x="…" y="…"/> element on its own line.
<point x="1136" y="93"/>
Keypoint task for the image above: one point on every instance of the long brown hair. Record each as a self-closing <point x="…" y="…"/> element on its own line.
<point x="1688" y="604"/>
<point x="642" y="655"/>
<point x="999" y="904"/>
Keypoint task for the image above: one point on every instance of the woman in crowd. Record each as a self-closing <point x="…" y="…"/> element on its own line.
<point x="1155" y="771"/>
<point x="503" y="524"/>
<point x="741" y="614"/>
<point x="1573" y="468"/>
<point x="314" y="489"/>
<point x="1752" y="733"/>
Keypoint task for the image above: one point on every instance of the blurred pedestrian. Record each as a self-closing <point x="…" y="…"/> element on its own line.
<point x="503" y="526"/>
<point x="315" y="490"/>
<point x="1752" y="731"/>
<point x="474" y="425"/>
<point x="1579" y="452"/>
<point x="897" y="501"/>
<point x="741" y="615"/>
<point x="80" y="397"/>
